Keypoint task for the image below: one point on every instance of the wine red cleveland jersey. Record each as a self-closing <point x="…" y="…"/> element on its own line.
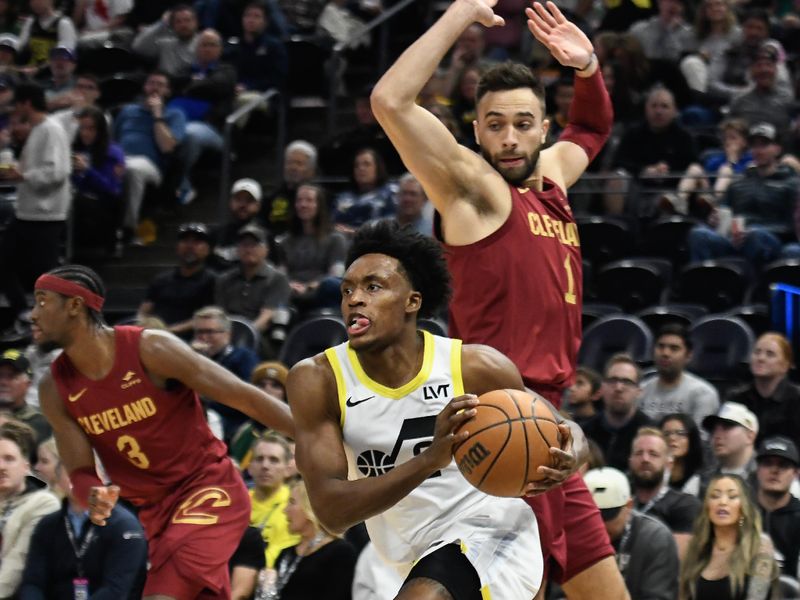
<point x="519" y="289"/>
<point x="150" y="440"/>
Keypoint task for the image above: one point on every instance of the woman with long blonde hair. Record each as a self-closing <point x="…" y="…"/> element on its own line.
<point x="728" y="558"/>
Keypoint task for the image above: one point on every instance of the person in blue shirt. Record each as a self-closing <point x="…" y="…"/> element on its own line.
<point x="148" y="133"/>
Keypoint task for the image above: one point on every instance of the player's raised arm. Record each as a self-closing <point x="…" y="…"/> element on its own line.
<point x="340" y="503"/>
<point x="444" y="168"/>
<point x="590" y="114"/>
<point x="167" y="357"/>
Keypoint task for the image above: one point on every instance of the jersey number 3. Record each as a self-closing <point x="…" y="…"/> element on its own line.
<point x="130" y="447"/>
<point x="569" y="295"/>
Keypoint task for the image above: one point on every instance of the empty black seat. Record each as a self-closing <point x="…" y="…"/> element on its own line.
<point x="722" y="347"/>
<point x="312" y="337"/>
<point x="717" y="285"/>
<point x="632" y="283"/>
<point x="658" y="315"/>
<point x="755" y="315"/>
<point x="594" y="310"/>
<point x="244" y="333"/>
<point x="612" y="334"/>
<point x="780" y="271"/>
<point x="604" y="239"/>
<point x="668" y="238"/>
<point x="119" y="89"/>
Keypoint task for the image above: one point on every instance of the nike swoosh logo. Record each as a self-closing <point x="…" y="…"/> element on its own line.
<point x="349" y="402"/>
<point x="76" y="397"/>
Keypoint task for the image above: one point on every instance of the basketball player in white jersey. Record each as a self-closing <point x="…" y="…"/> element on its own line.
<point x="375" y="422"/>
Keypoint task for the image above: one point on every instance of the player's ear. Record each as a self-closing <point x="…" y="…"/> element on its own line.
<point x="545" y="129"/>
<point x="414" y="302"/>
<point x="475" y="131"/>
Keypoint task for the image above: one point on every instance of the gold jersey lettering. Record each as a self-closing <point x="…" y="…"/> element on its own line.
<point x="535" y="223"/>
<point x="118" y="417"/>
<point x="546" y="226"/>
<point x="572" y="235"/>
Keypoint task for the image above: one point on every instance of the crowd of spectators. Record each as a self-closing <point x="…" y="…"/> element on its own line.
<point x="706" y="128"/>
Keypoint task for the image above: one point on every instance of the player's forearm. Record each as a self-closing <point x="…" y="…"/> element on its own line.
<point x="402" y="83"/>
<point x="342" y="503"/>
<point x="591" y="115"/>
<point x="268" y="411"/>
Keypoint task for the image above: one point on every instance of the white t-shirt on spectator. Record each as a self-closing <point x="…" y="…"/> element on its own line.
<point x="693" y="396"/>
<point x="95" y="21"/>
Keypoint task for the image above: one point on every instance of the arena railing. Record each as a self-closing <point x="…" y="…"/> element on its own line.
<point x="271" y="97"/>
<point x="337" y="60"/>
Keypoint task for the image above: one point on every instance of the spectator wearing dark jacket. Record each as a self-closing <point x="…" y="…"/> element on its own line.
<point x="66" y="547"/>
<point x="98" y="168"/>
<point x="260" y="58"/>
<point x="206" y="98"/>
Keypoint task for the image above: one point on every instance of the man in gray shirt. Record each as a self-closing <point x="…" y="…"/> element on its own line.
<point x="31" y="244"/>
<point x="254" y="289"/>
<point x="674" y="390"/>
<point x="171" y="41"/>
<point x="646" y="552"/>
<point x="665" y="36"/>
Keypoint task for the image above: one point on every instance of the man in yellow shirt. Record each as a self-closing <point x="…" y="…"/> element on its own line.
<point x="270" y="494"/>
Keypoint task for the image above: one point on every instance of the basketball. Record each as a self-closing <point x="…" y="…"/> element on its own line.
<point x="509" y="439"/>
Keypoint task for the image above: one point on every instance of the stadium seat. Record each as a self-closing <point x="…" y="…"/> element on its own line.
<point x="612" y="334"/>
<point x="311" y="337"/>
<point x="722" y="347"/>
<point x="604" y="239"/>
<point x="308" y="77"/>
<point x="435" y="326"/>
<point x="788" y="588"/>
<point x="588" y="280"/>
<point x="244" y="333"/>
<point x="755" y="315"/>
<point x="106" y="60"/>
<point x="718" y="285"/>
<point x="594" y="310"/>
<point x="119" y="89"/>
<point x="662" y="314"/>
<point x="633" y="283"/>
<point x="780" y="271"/>
<point x="668" y="238"/>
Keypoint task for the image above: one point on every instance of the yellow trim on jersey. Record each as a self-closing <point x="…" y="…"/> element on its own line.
<point x="340" y="386"/>
<point x="486" y="594"/>
<point x="405" y="390"/>
<point x="455" y="368"/>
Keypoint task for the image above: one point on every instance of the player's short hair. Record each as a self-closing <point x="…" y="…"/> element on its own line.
<point x="421" y="259"/>
<point x="623" y="358"/>
<point x="510" y="76"/>
<point x="86" y="278"/>
<point x="678" y="330"/>
<point x="20" y="434"/>
<point x="271" y="437"/>
<point x="214" y="312"/>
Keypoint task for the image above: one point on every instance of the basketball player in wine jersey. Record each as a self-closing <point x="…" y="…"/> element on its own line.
<point x="512" y="243"/>
<point x="383" y="409"/>
<point x="131" y="395"/>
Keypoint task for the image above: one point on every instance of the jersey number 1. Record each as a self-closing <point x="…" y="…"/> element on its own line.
<point x="569" y="295"/>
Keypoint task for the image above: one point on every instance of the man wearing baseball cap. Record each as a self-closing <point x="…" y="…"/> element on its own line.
<point x="244" y="205"/>
<point x="646" y="552"/>
<point x="174" y="296"/>
<point x="733" y="432"/>
<point x="15" y="380"/>
<point x="778" y="469"/>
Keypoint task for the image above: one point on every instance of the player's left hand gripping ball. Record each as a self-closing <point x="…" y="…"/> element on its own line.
<point x="565" y="463"/>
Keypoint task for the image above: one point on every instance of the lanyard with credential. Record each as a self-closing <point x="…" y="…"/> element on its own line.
<point x="624" y="555"/>
<point x="79" y="551"/>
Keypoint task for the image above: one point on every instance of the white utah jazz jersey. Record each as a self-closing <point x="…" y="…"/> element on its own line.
<point x="384" y="427"/>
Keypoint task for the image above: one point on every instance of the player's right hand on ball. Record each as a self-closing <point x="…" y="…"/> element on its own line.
<point x="446" y="432"/>
<point x="102" y="500"/>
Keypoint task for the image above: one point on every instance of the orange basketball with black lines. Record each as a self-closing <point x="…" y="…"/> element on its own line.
<point x="510" y="437"/>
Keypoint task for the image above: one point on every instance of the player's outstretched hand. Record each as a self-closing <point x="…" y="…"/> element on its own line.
<point x="102" y="500"/>
<point x="565" y="463"/>
<point x="484" y="13"/>
<point x="447" y="433"/>
<point x="565" y="41"/>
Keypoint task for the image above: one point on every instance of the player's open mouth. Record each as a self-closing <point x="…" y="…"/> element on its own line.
<point x="358" y="324"/>
<point x="512" y="162"/>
